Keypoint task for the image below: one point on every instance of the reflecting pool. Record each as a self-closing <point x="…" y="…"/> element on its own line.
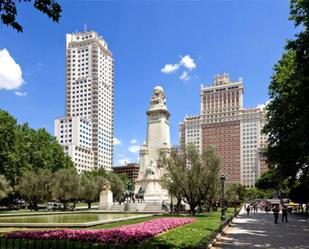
<point x="66" y="218"/>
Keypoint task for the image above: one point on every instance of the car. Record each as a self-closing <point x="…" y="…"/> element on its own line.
<point x="54" y="206"/>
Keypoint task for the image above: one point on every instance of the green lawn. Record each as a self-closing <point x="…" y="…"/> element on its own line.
<point x="187" y="236"/>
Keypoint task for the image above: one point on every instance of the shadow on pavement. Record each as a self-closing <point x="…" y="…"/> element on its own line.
<point x="259" y="231"/>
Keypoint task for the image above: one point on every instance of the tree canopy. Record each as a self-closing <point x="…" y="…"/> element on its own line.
<point x="65" y="186"/>
<point x="191" y="175"/>
<point x="5" y="187"/>
<point x="23" y="149"/>
<point x="8" y="11"/>
<point x="288" y="112"/>
<point x="35" y="186"/>
<point x="90" y="188"/>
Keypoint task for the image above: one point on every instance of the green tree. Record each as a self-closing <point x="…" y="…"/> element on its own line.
<point x="234" y="191"/>
<point x="35" y="186"/>
<point x="299" y="192"/>
<point x="97" y="172"/>
<point x="47" y="153"/>
<point x="23" y="149"/>
<point x="8" y="11"/>
<point x="5" y="187"/>
<point x="66" y="186"/>
<point x="117" y="184"/>
<point x="8" y="138"/>
<point x="272" y="180"/>
<point x="288" y="111"/>
<point x="123" y="176"/>
<point x="191" y="175"/>
<point x="90" y="188"/>
<point x="253" y="194"/>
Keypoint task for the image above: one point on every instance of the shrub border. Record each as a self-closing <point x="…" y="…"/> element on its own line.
<point x="210" y="240"/>
<point x="215" y="237"/>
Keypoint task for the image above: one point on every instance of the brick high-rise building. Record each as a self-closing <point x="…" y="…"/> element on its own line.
<point x="233" y="131"/>
<point x="86" y="131"/>
<point x="131" y="169"/>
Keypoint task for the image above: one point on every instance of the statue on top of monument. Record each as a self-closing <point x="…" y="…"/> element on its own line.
<point x="106" y="186"/>
<point x="158" y="96"/>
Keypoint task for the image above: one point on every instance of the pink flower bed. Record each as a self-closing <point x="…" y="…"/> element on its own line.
<point x="120" y="235"/>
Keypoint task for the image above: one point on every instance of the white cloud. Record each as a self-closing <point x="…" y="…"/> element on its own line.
<point x="133" y="141"/>
<point x="262" y="106"/>
<point x="116" y="141"/>
<point x="124" y="161"/>
<point x="20" y="94"/>
<point x="184" y="76"/>
<point x="188" y="62"/>
<point x="134" y="148"/>
<point x="170" y="68"/>
<point x="10" y="72"/>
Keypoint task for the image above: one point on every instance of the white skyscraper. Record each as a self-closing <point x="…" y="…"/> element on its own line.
<point x="86" y="131"/>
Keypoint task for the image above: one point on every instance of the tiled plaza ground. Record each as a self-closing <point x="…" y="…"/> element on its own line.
<point x="259" y="231"/>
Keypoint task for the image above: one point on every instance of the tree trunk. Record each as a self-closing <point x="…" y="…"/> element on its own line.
<point x="89" y="205"/>
<point x="65" y="205"/>
<point x="192" y="209"/>
<point x="178" y="205"/>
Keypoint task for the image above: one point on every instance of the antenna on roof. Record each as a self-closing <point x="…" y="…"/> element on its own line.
<point x="85" y="27"/>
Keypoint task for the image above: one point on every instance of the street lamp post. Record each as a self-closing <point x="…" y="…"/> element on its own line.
<point x="222" y="179"/>
<point x="235" y="204"/>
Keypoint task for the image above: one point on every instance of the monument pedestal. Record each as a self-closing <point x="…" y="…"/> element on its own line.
<point x="154" y="192"/>
<point x="106" y="200"/>
<point x="157" y="144"/>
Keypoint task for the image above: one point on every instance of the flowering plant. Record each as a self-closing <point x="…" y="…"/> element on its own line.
<point x="127" y="234"/>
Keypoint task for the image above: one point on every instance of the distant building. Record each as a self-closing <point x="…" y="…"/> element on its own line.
<point x="86" y="131"/>
<point x="131" y="169"/>
<point x="233" y="131"/>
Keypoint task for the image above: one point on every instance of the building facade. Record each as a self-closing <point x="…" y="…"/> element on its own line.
<point x="131" y="169"/>
<point x="233" y="131"/>
<point x="89" y="106"/>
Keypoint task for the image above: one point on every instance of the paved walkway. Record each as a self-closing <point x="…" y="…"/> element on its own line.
<point x="259" y="231"/>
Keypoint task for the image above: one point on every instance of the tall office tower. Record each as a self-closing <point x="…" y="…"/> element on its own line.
<point x="224" y="124"/>
<point x="253" y="141"/>
<point x="86" y="131"/>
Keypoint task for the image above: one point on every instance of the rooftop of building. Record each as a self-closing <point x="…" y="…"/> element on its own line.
<point x="86" y="35"/>
<point x="222" y="80"/>
<point x="128" y="165"/>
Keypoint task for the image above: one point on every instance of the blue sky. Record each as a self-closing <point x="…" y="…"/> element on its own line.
<point x="242" y="38"/>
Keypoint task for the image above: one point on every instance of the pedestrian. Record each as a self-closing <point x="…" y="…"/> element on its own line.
<point x="248" y="209"/>
<point x="285" y="213"/>
<point x="276" y="213"/>
<point x="255" y="208"/>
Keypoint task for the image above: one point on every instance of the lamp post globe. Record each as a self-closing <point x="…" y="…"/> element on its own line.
<point x="222" y="180"/>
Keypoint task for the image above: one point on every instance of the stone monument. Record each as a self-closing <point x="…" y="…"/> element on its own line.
<point x="106" y="197"/>
<point x="157" y="141"/>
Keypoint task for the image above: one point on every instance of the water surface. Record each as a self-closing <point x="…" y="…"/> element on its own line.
<point x="65" y="218"/>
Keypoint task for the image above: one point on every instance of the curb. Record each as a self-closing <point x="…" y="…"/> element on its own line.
<point x="222" y="229"/>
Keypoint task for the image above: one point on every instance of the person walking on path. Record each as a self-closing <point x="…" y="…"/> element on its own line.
<point x="276" y="213"/>
<point x="255" y="208"/>
<point x="248" y="209"/>
<point x="285" y="213"/>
